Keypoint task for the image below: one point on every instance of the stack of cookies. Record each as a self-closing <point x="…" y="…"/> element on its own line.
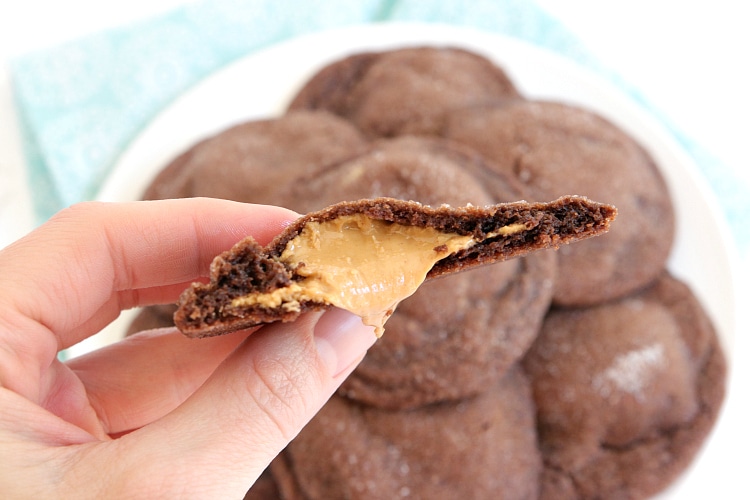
<point x="589" y="372"/>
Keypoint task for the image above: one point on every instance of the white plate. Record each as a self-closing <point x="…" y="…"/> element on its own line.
<point x="261" y="85"/>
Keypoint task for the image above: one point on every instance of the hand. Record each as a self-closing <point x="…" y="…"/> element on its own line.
<point x="156" y="415"/>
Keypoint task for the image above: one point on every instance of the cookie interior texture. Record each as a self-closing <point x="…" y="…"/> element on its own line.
<point x="367" y="256"/>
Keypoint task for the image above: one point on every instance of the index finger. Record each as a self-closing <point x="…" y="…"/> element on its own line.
<point x="76" y="269"/>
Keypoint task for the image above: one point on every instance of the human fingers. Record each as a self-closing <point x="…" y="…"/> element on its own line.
<point x="216" y="443"/>
<point x="145" y="376"/>
<point x="77" y="271"/>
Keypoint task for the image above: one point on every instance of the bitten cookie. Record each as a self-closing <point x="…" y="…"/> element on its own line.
<point x="405" y="91"/>
<point x="368" y="255"/>
<point x="626" y="392"/>
<point x="482" y="447"/>
<point x="555" y="148"/>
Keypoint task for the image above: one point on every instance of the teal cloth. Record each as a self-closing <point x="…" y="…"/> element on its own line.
<point x="83" y="102"/>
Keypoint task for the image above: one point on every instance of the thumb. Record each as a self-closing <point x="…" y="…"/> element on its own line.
<point x="217" y="443"/>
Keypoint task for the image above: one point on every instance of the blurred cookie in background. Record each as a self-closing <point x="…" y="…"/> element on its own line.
<point x="250" y="161"/>
<point x="555" y="149"/>
<point x="626" y="392"/>
<point x="480" y="447"/>
<point x="405" y="91"/>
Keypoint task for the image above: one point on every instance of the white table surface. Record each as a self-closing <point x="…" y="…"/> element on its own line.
<point x="705" y="91"/>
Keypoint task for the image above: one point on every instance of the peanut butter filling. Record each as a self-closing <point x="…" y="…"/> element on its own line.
<point x="363" y="265"/>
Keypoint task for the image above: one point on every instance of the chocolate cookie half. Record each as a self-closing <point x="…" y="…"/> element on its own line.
<point x="368" y="255"/>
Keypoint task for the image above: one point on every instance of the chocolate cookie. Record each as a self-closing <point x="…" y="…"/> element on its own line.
<point x="483" y="447"/>
<point x="250" y="161"/>
<point x="368" y="255"/>
<point x="555" y="148"/>
<point x="457" y="334"/>
<point x="404" y="91"/>
<point x="625" y="391"/>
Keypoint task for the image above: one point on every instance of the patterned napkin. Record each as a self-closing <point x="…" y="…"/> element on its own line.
<point x="83" y="102"/>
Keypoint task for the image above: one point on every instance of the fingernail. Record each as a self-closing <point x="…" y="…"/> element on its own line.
<point x="342" y="339"/>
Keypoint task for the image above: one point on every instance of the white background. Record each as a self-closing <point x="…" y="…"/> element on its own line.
<point x="688" y="58"/>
